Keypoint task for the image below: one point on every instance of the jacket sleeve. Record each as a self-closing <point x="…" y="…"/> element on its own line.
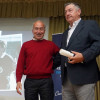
<point x="94" y="50"/>
<point x="56" y="57"/>
<point x="56" y="61"/>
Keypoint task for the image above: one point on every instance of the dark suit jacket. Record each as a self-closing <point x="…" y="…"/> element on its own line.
<point x="86" y="40"/>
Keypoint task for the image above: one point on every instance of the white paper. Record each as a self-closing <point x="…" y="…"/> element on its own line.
<point x="66" y="53"/>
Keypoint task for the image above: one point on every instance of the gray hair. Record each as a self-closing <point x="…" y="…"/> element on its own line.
<point x="73" y="3"/>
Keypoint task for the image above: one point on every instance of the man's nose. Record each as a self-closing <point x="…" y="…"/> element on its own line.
<point x="39" y="30"/>
<point x="67" y="13"/>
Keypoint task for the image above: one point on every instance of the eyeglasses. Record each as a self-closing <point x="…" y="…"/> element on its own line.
<point x="41" y="29"/>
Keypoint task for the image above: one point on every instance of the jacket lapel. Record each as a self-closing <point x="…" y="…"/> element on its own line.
<point x="64" y="39"/>
<point x="76" y="31"/>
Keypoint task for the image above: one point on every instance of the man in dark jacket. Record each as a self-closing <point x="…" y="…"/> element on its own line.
<point x="80" y="72"/>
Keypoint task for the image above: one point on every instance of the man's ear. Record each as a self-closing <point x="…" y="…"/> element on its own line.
<point x="79" y="12"/>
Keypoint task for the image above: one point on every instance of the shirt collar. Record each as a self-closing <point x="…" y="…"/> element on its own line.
<point x="36" y="39"/>
<point x="75" y="23"/>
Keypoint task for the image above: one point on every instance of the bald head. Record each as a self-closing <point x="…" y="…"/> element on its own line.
<point x="39" y="23"/>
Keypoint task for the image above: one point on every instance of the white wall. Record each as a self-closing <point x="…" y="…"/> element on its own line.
<point x="18" y="24"/>
<point x="21" y="24"/>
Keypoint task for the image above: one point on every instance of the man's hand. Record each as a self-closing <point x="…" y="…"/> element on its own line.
<point x="78" y="58"/>
<point x="19" y="87"/>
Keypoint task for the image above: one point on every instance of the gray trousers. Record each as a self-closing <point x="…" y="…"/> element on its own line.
<point x="78" y="92"/>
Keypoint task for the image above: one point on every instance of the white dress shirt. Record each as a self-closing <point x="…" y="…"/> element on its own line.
<point x="71" y="29"/>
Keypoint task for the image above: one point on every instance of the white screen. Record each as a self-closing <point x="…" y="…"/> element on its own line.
<point x="10" y="44"/>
